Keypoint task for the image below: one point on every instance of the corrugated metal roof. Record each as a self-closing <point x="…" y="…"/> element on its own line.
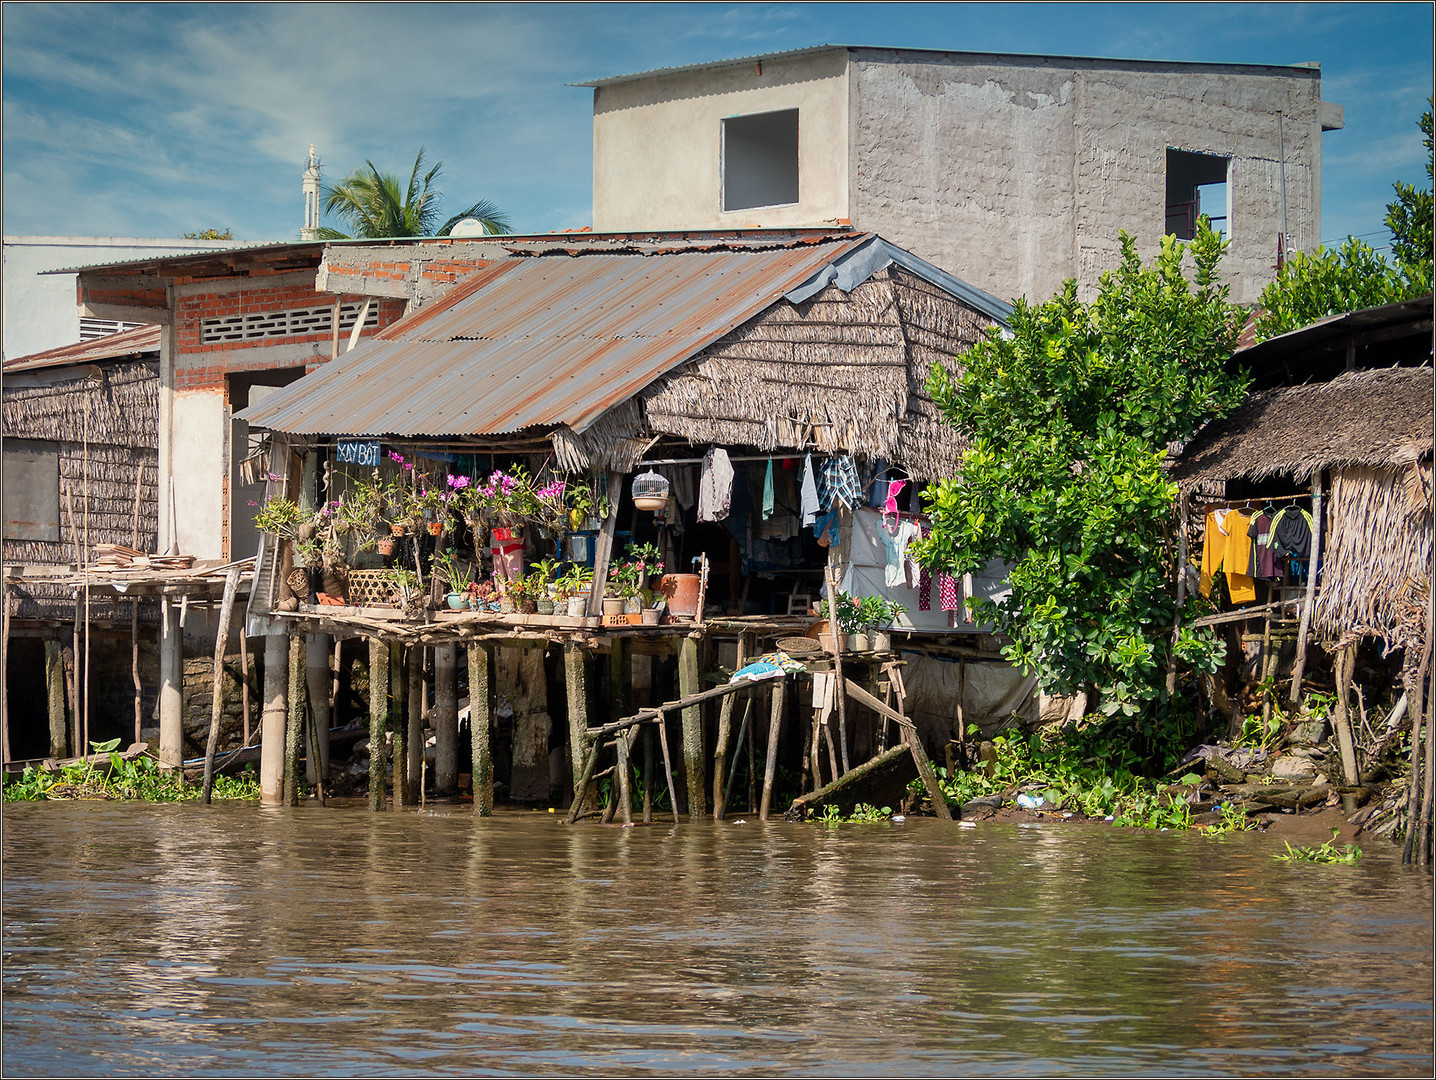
<point x="539" y="341"/>
<point x="129" y="343"/>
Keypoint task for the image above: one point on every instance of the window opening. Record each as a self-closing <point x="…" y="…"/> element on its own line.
<point x="294" y="322"/>
<point x="1196" y="185"/>
<point x="91" y="328"/>
<point x="760" y="160"/>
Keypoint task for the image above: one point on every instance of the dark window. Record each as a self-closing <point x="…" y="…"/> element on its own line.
<point x="760" y="160"/>
<point x="1196" y="185"/>
<point x="32" y="490"/>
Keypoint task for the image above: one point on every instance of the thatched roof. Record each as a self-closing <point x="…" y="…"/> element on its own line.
<point x="1377" y="418"/>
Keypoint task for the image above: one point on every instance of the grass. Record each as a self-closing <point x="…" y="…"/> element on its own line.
<point x="139" y="780"/>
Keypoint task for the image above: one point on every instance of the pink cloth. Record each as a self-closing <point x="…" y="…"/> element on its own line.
<point x="947" y="593"/>
<point x="894" y="490"/>
<point x="924" y="590"/>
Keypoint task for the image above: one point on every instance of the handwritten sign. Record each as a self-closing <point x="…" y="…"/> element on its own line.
<point x="358" y="452"/>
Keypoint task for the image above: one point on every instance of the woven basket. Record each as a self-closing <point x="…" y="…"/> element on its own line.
<point x="298" y="582"/>
<point x="795" y="646"/>
<point x="372" y="587"/>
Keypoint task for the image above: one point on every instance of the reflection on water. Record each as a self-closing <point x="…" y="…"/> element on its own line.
<point x="189" y="940"/>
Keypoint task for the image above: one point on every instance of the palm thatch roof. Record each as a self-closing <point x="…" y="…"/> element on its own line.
<point x="1376" y="418"/>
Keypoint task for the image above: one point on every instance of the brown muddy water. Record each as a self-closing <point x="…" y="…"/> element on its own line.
<point x="179" y="940"/>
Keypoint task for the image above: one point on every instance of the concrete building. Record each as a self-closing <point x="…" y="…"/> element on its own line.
<point x="40" y="311"/>
<point x="1012" y="172"/>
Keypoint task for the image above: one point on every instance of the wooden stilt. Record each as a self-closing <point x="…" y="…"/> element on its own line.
<point x="1182" y="511"/>
<point x="317" y="677"/>
<point x="662" y="725"/>
<point x="481" y="719"/>
<point x="575" y="669"/>
<point x="414" y="717"/>
<point x="244" y="672"/>
<point x="830" y="578"/>
<point x="272" y="719"/>
<point x="720" y="742"/>
<point x="693" y="763"/>
<point x="1341" y="720"/>
<point x="720" y="802"/>
<point x="620" y="682"/>
<point x="919" y="755"/>
<point x="135" y="673"/>
<point x="216" y="703"/>
<point x="752" y="759"/>
<point x="583" y="779"/>
<point x="775" y="731"/>
<point x="294" y="722"/>
<point x="378" y="713"/>
<point x="398" y="751"/>
<point x="1419" y="692"/>
<point x="444" y="718"/>
<point x="5" y="674"/>
<point x="1306" y="608"/>
<point x="815" y="750"/>
<point x="647" y="773"/>
<point x="625" y="795"/>
<point x="55" y="687"/>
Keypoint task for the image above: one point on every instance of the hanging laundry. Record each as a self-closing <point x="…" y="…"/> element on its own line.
<point x="768" y="491"/>
<point x="808" y="502"/>
<point x="1263" y="559"/>
<point x="1291" y="532"/>
<point x="838" y="479"/>
<point x="826" y="528"/>
<point x="715" y="486"/>
<point x="912" y="571"/>
<point x="895" y="570"/>
<point x="680" y="484"/>
<point x="1214" y="547"/>
<point x="890" y="506"/>
<point x="1237" y="559"/>
<point x="948" y="597"/>
<point x="924" y="590"/>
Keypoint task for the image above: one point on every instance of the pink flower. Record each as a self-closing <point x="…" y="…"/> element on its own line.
<point x="394" y="455"/>
<point x="458" y="483"/>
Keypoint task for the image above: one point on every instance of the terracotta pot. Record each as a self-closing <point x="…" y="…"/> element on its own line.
<point x="396" y="530"/>
<point x="650" y="616"/>
<point x="681" y="592"/>
<point x="436" y="528"/>
<point x="385" y="546"/>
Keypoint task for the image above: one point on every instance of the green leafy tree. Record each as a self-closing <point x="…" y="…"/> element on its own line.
<point x="374" y="205"/>
<point x="1311" y="286"/>
<point x="1409" y="216"/>
<point x="209" y="234"/>
<point x="1069" y="419"/>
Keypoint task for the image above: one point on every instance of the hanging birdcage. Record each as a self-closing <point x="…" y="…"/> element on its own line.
<point x="650" y="491"/>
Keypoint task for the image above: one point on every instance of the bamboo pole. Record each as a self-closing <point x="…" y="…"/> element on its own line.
<point x="692" y="716"/>
<point x="752" y="758"/>
<point x="216" y="702"/>
<point x="662" y="723"/>
<point x="294" y="722"/>
<point x="1341" y="720"/>
<point x="135" y="673"/>
<point x="378" y="713"/>
<point x="775" y="731"/>
<point x="481" y="718"/>
<point x="721" y="805"/>
<point x="414" y="743"/>
<point x="620" y="681"/>
<point x="603" y="552"/>
<point x="1311" y="572"/>
<point x="919" y="755"/>
<point x="647" y="774"/>
<point x="1182" y="511"/>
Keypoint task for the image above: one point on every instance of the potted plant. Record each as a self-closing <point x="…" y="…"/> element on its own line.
<point x="575" y="584"/>
<point x="483" y="596"/>
<point x="407" y="592"/>
<point x="280" y="517"/>
<point x="881" y="613"/>
<point x="457" y="574"/>
<point x="541" y="583"/>
<point x="848" y="621"/>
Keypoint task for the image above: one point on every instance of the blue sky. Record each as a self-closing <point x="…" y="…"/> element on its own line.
<point x="152" y="120"/>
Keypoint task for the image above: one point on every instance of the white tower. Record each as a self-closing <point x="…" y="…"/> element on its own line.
<point x="311" y="199"/>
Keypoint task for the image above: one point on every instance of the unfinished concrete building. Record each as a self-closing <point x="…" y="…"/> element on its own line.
<point x="1012" y="172"/>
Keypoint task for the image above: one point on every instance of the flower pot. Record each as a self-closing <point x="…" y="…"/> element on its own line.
<point x="396" y="529"/>
<point x="503" y="535"/>
<point x="436" y="528"/>
<point x="632" y="605"/>
<point x="385" y="546"/>
<point x="882" y="641"/>
<point x="613" y="605"/>
<point x="577" y="607"/>
<point x="526" y="605"/>
<point x="858" y="642"/>
<point x="506" y="605"/>
<point x="650" y="616"/>
<point x="681" y="592"/>
<point x="545" y="606"/>
<point x="457" y="600"/>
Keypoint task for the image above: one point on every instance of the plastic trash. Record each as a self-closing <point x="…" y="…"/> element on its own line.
<point x="1030" y="802"/>
<point x="898" y="819"/>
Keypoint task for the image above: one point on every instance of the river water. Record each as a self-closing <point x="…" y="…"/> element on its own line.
<point x="184" y="940"/>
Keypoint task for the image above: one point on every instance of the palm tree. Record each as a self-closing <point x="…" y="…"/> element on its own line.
<point x="373" y="205"/>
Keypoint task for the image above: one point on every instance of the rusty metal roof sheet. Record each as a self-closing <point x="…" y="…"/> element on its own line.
<point x="540" y="341"/>
<point x="121" y="346"/>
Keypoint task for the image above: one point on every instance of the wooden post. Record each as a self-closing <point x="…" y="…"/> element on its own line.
<point x="399" y="694"/>
<point x="625" y="793"/>
<point x="620" y="682"/>
<point x="271" y="723"/>
<point x="575" y="673"/>
<point x="317" y="677"/>
<point x="720" y="744"/>
<point x="1311" y="569"/>
<point x="294" y="724"/>
<point x="720" y="799"/>
<point x="603" y="553"/>
<point x="444" y="718"/>
<point x="481" y="719"/>
<point x="171" y="752"/>
<point x="5" y="674"/>
<point x="662" y="724"/>
<point x="910" y="736"/>
<point x="775" y="730"/>
<point x="830" y="579"/>
<point x="693" y="764"/>
<point x="243" y="682"/>
<point x="135" y="673"/>
<point x="414" y="742"/>
<point x="55" y="685"/>
<point x="378" y="713"/>
<point x="1341" y="720"/>
<point x="647" y="773"/>
<point x="216" y="702"/>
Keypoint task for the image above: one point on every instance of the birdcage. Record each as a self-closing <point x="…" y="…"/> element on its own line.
<point x="650" y="491"/>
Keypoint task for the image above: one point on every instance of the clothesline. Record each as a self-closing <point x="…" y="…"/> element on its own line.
<point x="1255" y="500"/>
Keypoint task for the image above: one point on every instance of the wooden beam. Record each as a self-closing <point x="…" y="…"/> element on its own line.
<point x="1311" y="568"/>
<point x="603" y="554"/>
<point x="919" y="755"/>
<point x="216" y="704"/>
<point x="481" y="718"/>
